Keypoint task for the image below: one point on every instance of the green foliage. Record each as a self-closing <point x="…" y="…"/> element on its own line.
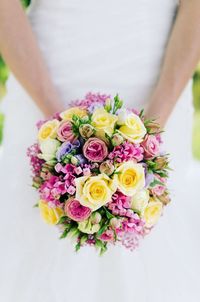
<point x="1" y="127"/>
<point x="196" y="136"/>
<point x="196" y="89"/>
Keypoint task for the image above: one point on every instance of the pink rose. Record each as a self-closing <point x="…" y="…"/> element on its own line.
<point x="107" y="236"/>
<point x="95" y="149"/>
<point x="76" y="211"/>
<point x="65" y="132"/>
<point x="151" y="146"/>
<point x="160" y="187"/>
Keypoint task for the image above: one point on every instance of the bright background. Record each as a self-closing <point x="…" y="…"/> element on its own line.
<point x="196" y="93"/>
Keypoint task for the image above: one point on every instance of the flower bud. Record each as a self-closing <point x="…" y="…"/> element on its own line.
<point x="74" y="160"/>
<point x="164" y="198"/>
<point x="161" y="162"/>
<point x="108" y="104"/>
<point x="115" y="223"/>
<point x="86" y="130"/>
<point x="117" y="139"/>
<point x="107" y="167"/>
<point x="154" y="127"/>
<point x="95" y="218"/>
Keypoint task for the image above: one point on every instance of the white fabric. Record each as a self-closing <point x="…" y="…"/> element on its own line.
<point x="108" y="46"/>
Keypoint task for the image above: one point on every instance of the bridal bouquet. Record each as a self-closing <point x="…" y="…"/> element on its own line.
<point x="100" y="172"/>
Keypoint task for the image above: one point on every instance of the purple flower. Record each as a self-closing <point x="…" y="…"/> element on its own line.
<point x="66" y="148"/>
<point x="149" y="177"/>
<point x="82" y="160"/>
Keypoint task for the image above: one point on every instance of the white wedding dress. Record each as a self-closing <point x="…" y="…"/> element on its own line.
<point x="106" y="46"/>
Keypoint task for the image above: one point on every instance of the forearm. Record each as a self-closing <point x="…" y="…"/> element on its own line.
<point x="20" y="51"/>
<point x="181" y="58"/>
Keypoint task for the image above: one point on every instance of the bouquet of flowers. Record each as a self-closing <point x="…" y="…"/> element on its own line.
<point x="100" y="172"/>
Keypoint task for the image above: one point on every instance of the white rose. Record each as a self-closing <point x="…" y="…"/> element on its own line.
<point x="139" y="201"/>
<point x="48" y="148"/>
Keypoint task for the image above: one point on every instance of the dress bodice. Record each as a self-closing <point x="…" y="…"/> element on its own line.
<point x="108" y="45"/>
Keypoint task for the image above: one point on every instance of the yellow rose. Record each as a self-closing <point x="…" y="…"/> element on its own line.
<point x="50" y="215"/>
<point x="152" y="213"/>
<point x="48" y="130"/>
<point x="133" y="128"/>
<point x="130" y="178"/>
<point x="94" y="191"/>
<point x="103" y="122"/>
<point x="68" y="114"/>
<point x="139" y="201"/>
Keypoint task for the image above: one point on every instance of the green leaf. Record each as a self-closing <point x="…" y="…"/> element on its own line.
<point x="102" y="229"/>
<point x="36" y="205"/>
<point x="141" y="113"/>
<point x="108" y="214"/>
<point x="156" y="182"/>
<point x="83" y="239"/>
<point x="62" y="220"/>
<point x="77" y="247"/>
<point x="65" y="233"/>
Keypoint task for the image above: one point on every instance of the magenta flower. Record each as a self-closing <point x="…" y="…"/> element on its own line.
<point x="52" y="189"/>
<point x="127" y="151"/>
<point x="76" y="211"/>
<point x="35" y="161"/>
<point x="120" y="205"/>
<point x="95" y="149"/>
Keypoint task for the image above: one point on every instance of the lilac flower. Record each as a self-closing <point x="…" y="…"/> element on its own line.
<point x="149" y="178"/>
<point x="64" y="149"/>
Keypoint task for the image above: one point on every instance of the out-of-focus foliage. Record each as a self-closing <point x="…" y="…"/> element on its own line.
<point x="3" y="77"/>
<point x="25" y="3"/>
<point x="1" y="126"/>
<point x="196" y="133"/>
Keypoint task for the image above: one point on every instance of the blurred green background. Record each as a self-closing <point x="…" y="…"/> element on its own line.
<point x="4" y="72"/>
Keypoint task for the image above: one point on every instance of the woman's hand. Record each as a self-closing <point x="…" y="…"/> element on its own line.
<point x="181" y="58"/>
<point x="20" y="51"/>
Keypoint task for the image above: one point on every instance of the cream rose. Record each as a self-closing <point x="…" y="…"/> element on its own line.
<point x="49" y="148"/>
<point x="152" y="213"/>
<point x="139" y="201"/>
<point x="48" y="130"/>
<point x="133" y="128"/>
<point x="103" y="122"/>
<point x="68" y="114"/>
<point x="94" y="191"/>
<point x="130" y="178"/>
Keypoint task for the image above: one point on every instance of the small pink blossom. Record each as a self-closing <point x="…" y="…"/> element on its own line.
<point x="86" y="172"/>
<point x="120" y="205"/>
<point x="78" y="170"/>
<point x="127" y="151"/>
<point x="159" y="189"/>
<point x="71" y="190"/>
